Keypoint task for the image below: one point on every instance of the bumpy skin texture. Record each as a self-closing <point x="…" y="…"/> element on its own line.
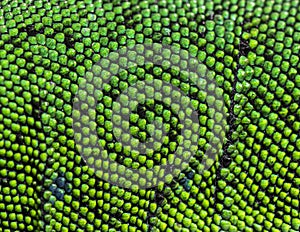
<point x="251" y="47"/>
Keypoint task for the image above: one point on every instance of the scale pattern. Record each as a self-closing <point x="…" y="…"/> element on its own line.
<point x="252" y="49"/>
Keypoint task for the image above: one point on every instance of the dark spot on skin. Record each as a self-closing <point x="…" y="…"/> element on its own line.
<point x="141" y="110"/>
<point x="244" y="48"/>
<point x="60" y="182"/>
<point x="37" y="110"/>
<point x="113" y="95"/>
<point x="159" y="198"/>
<point x="190" y="175"/>
<point x="172" y="135"/>
<point x="186" y="186"/>
<point x="183" y="180"/>
<point x="225" y="160"/>
<point x="31" y="31"/>
<point x="69" y="41"/>
<point x="68" y="188"/>
<point x="59" y="194"/>
<point x="19" y="138"/>
<point x="59" y="95"/>
<point x="52" y="188"/>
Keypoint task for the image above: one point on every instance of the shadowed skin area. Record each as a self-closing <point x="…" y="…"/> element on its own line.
<point x="251" y="48"/>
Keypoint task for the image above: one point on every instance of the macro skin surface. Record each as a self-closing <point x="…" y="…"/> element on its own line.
<point x="250" y="47"/>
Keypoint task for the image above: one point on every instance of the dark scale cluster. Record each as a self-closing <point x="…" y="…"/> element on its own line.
<point x="250" y="47"/>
